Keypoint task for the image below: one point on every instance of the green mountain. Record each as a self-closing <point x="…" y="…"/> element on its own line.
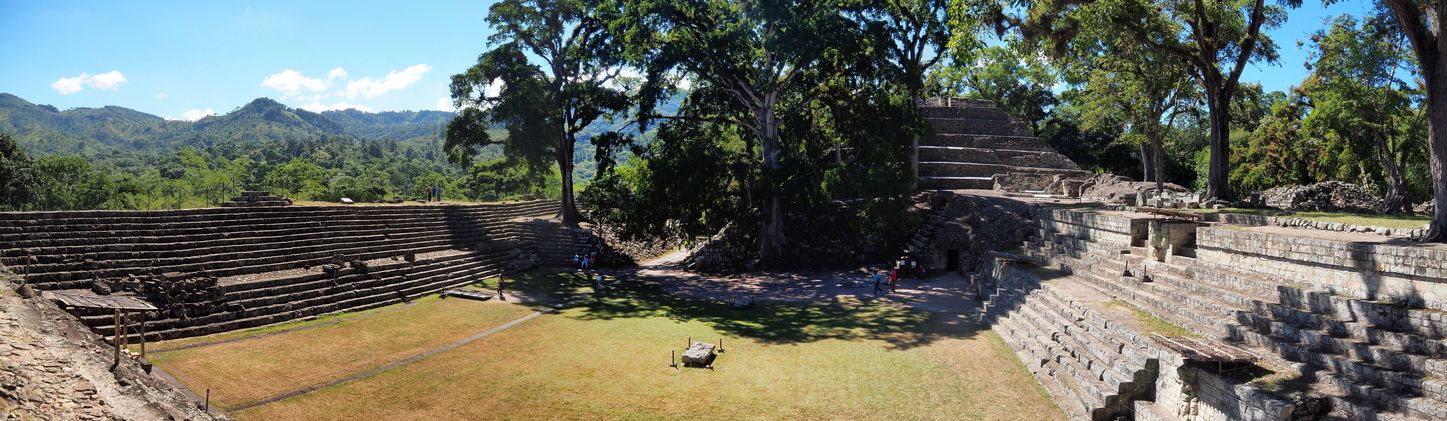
<point x="390" y="124"/>
<point x="42" y="129"/>
<point x="107" y="131"/>
<point x="261" y="120"/>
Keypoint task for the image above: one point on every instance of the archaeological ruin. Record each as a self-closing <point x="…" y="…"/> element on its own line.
<point x="1118" y="309"/>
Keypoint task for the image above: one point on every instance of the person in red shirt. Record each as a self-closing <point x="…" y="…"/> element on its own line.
<point x="893" y="279"/>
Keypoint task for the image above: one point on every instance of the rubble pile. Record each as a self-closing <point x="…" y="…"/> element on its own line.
<point x="729" y="251"/>
<point x="256" y="198"/>
<point x="1326" y="196"/>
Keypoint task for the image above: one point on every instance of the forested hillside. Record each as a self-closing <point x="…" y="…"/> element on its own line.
<point x="114" y="157"/>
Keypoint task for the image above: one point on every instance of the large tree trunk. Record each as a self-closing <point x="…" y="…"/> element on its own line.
<point x="1148" y="167"/>
<point x="914" y="163"/>
<point x="569" y="210"/>
<point x="1219" y="105"/>
<point x="1157" y="160"/>
<point x="1393" y="202"/>
<point x="771" y="241"/>
<point x="917" y="102"/>
<point x="1437" y="147"/>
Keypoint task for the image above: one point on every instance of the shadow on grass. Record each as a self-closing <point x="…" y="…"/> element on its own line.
<point x="844" y="318"/>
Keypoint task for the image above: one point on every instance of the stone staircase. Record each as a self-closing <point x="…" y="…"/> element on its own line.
<point x="974" y="140"/>
<point x="271" y="264"/>
<point x="1372" y="361"/>
<point x="1094" y="368"/>
<point x="919" y="240"/>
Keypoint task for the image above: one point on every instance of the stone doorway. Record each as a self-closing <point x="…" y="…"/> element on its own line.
<point x="952" y="260"/>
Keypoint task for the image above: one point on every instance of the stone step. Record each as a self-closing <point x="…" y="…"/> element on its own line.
<point x="956" y="183"/>
<point x="1006" y="142"/>
<point x="1364" y="341"/>
<point x="241" y="266"/>
<point x="337" y="299"/>
<point x="29" y="222"/>
<point x="114" y="255"/>
<point x="94" y="231"/>
<point x="978" y="126"/>
<point x="1428" y="323"/>
<point x="971" y="169"/>
<point x="982" y="113"/>
<point x="1320" y="352"/>
<point x="1042" y="364"/>
<point x="1008" y="157"/>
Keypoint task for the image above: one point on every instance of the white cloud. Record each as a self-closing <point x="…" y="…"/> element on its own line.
<point x="337" y="73"/>
<point x="371" y="88"/>
<point x="197" y="114"/>
<point x="317" y="107"/>
<point x="69" y="85"/>
<point x="444" y="104"/>
<point x="162" y="95"/>
<point x="493" y="89"/>
<point x="111" y="80"/>
<point x="291" y="81"/>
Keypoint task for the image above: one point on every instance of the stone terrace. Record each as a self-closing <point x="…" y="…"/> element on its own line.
<point x="974" y="140"/>
<point x="270" y="264"/>
<point x="1360" y="322"/>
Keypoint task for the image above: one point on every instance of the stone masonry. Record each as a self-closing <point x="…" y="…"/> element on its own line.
<point x="976" y="145"/>
<point x="1344" y="328"/>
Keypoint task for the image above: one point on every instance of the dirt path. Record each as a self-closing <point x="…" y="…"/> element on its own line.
<point x="948" y="293"/>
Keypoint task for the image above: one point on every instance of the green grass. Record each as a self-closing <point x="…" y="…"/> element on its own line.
<point x="1151" y="323"/>
<point x="607" y="358"/>
<point x="260" y="366"/>
<point x="1386" y="221"/>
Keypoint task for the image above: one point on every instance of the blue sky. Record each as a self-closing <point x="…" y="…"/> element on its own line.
<point x="183" y="56"/>
<point x="182" y="59"/>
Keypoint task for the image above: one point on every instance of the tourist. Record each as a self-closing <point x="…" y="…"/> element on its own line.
<point x="585" y="262"/>
<point x="877" y="278"/>
<point x="499" y="288"/>
<point x="893" y="279"/>
<point x="439" y="194"/>
<point x="576" y="260"/>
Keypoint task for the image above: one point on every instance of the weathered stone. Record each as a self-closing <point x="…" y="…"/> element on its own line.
<point x="1326" y="196"/>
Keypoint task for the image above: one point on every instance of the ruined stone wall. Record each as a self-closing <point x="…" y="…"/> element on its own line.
<point x="1370" y="271"/>
<point x="1188" y="392"/>
<point x="1099" y="228"/>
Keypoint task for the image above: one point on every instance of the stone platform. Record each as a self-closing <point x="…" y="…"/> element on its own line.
<point x="1345" y="329"/>
<point x="271" y="264"/>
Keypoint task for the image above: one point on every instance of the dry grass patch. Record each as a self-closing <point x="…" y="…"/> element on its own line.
<point x="255" y="368"/>
<point x="608" y="359"/>
<point x="1152" y="324"/>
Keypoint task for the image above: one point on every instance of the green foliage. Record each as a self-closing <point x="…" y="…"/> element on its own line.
<point x="16" y="174"/>
<point x="543" y="108"/>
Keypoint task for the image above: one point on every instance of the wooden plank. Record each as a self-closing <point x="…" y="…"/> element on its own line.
<point x="1196" y="349"/>
<point x="87" y="299"/>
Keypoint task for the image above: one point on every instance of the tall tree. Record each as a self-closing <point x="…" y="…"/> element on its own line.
<point x="916" y="35"/>
<point x="754" y="53"/>
<point x="1358" y="91"/>
<point x="1422" y="22"/>
<point x="1215" y="38"/>
<point x="1140" y="89"/>
<point x="542" y="107"/>
<point x="17" y="175"/>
